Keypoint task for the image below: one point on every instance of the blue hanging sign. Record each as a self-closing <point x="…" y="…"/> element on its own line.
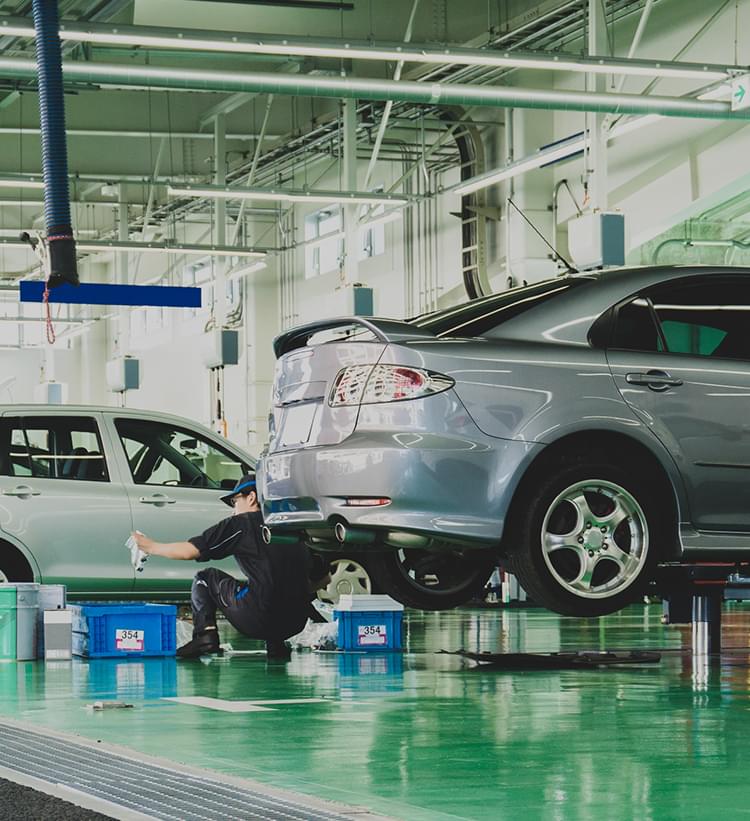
<point x="94" y="293"/>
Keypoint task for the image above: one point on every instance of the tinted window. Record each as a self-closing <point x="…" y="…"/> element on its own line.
<point x="52" y="448"/>
<point x="707" y="319"/>
<point x="160" y="454"/>
<point x="480" y="316"/>
<point x="636" y="329"/>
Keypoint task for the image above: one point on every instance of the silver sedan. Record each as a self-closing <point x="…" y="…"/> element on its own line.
<point x="581" y="430"/>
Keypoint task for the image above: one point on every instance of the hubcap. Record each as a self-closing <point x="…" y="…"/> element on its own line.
<point x="347" y="576"/>
<point x="595" y="539"/>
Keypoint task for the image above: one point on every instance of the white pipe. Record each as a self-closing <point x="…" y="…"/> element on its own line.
<point x="144" y="77"/>
<point x="389" y="105"/>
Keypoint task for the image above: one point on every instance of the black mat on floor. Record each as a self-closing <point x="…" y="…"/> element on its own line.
<point x="585" y="659"/>
<point x="18" y="802"/>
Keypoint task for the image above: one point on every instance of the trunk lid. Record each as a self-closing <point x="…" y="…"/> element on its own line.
<point x="309" y="359"/>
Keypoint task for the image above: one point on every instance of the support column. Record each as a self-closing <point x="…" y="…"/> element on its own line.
<point x="220" y="217"/>
<point x="351" y="245"/>
<point x="528" y="258"/>
<point x="596" y="155"/>
<point x="123" y="344"/>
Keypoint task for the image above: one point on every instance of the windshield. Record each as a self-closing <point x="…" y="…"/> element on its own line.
<point x="480" y="316"/>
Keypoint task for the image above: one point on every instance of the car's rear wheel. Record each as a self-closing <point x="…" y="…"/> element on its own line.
<point x="433" y="579"/>
<point x="587" y="537"/>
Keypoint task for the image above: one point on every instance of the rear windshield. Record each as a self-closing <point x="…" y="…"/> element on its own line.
<point x="478" y="317"/>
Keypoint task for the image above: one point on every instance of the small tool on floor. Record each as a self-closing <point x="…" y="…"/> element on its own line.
<point x="109" y="705"/>
<point x="582" y="659"/>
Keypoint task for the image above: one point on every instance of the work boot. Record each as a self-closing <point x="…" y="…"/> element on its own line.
<point x="278" y="649"/>
<point x="205" y="643"/>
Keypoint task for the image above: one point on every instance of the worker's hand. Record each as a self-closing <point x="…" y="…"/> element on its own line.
<point x="143" y="542"/>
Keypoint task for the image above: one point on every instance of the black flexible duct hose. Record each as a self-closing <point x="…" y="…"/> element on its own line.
<point x="62" y="249"/>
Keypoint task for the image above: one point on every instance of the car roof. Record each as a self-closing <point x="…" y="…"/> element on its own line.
<point x="568" y="317"/>
<point x="25" y="407"/>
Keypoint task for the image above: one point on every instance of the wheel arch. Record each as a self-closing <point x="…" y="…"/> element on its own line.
<point x="630" y="450"/>
<point x="18" y="558"/>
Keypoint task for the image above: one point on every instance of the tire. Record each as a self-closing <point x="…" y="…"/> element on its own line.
<point x="586" y="537"/>
<point x="432" y="579"/>
<point x="13" y="566"/>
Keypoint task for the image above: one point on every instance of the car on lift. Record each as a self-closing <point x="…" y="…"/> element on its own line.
<point x="581" y="430"/>
<point x="75" y="481"/>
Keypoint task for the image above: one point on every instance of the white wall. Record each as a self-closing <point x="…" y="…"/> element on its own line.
<point x="658" y="176"/>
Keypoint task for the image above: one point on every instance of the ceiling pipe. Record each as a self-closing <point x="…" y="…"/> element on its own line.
<point x="169" y="38"/>
<point x="104" y="132"/>
<point x="144" y="77"/>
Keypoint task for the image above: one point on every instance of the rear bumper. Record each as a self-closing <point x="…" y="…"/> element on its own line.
<point x="442" y="486"/>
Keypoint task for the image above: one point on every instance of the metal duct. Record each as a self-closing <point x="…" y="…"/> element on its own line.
<point x="471" y="152"/>
<point x="365" y="89"/>
<point x="61" y="244"/>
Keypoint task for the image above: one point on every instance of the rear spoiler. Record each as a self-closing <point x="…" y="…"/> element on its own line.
<point x="387" y="330"/>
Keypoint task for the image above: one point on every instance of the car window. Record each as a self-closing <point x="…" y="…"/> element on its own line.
<point x="478" y="317"/>
<point x="704" y="318"/>
<point x="162" y="454"/>
<point x="636" y="329"/>
<point x="708" y="318"/>
<point x="55" y="447"/>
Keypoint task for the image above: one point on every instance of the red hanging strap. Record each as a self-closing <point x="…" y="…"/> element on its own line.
<point x="51" y="337"/>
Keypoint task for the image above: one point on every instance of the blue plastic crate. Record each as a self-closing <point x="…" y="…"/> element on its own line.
<point x="364" y="624"/>
<point x="119" y="629"/>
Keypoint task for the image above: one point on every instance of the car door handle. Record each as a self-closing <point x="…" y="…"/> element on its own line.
<point x="157" y="499"/>
<point x="656" y="380"/>
<point x="22" y="491"/>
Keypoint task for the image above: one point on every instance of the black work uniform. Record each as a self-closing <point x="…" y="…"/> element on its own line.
<point x="272" y="602"/>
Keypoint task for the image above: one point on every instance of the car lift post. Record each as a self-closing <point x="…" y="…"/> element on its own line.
<point x="694" y="594"/>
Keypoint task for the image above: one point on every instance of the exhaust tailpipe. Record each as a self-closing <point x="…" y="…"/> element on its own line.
<point x="353" y="535"/>
<point x="270" y="537"/>
<point x="399" y="538"/>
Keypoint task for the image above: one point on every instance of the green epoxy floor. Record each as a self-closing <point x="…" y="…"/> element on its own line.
<point x="424" y="736"/>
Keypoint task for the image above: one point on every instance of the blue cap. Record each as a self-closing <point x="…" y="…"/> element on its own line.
<point x="246" y="483"/>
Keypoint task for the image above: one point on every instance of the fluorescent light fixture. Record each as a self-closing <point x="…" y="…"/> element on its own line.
<point x="57" y="321"/>
<point x="151" y="248"/>
<point x="244" y="270"/>
<point x="542" y="157"/>
<point x="20" y="182"/>
<point x="164" y="247"/>
<point x="222" y="192"/>
<point x="195" y="40"/>
<point x="316" y="241"/>
<point x="382" y="219"/>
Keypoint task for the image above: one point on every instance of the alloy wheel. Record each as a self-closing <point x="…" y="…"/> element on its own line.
<point x="595" y="539"/>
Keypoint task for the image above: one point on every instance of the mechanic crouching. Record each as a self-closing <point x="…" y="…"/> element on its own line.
<point x="272" y="603"/>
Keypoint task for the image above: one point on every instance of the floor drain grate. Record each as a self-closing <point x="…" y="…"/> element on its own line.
<point x="142" y="787"/>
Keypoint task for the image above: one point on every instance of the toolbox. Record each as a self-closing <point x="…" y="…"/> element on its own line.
<point x="369" y="623"/>
<point x="120" y="629"/>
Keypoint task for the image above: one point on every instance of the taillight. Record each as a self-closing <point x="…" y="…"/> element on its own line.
<point x="372" y="384"/>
